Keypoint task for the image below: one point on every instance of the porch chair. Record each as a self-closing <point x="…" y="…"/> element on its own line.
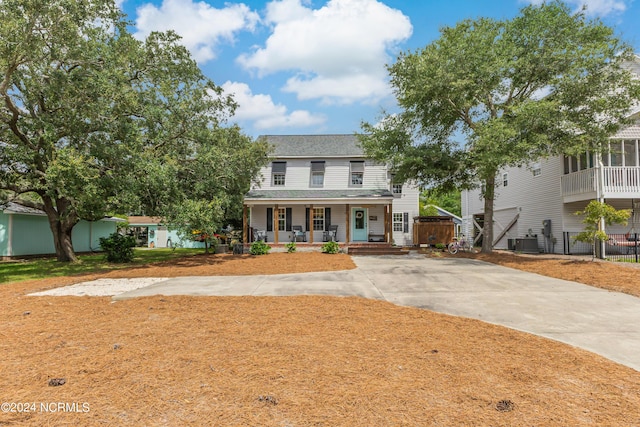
<point x="259" y="235"/>
<point x="330" y="235"/>
<point x="299" y="235"/>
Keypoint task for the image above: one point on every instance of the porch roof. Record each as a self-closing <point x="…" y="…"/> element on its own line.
<point x="261" y="196"/>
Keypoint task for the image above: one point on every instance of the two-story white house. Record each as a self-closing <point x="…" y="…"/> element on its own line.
<point x="536" y="205"/>
<point x="325" y="187"/>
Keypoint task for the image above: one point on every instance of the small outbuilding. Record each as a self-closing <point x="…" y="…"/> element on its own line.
<point x="25" y="232"/>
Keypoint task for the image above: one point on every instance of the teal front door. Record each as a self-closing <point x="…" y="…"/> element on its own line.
<point x="359" y="231"/>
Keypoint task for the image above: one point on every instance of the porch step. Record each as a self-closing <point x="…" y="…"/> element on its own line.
<point x="377" y="250"/>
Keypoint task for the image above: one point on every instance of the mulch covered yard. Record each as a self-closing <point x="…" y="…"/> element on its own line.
<point x="293" y="361"/>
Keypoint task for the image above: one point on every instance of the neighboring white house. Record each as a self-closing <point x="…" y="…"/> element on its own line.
<point x="319" y="182"/>
<point x="25" y="231"/>
<point x="535" y="205"/>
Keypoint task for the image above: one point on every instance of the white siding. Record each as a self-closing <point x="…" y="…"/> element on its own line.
<point x="409" y="202"/>
<point x="536" y="198"/>
<point x="336" y="175"/>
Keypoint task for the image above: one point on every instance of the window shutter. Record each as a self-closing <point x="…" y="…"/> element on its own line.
<point x="357" y="166"/>
<point x="278" y="167"/>
<point x="327" y="218"/>
<point x="269" y="219"/>
<point x="288" y="219"/>
<point x="406" y="221"/>
<point x="307" y="214"/>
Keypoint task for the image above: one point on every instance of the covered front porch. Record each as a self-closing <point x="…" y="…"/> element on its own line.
<point x="312" y="217"/>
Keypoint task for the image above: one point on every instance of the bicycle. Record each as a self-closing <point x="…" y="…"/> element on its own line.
<point x="457" y="245"/>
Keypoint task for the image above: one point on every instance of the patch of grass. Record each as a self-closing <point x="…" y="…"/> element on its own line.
<point x="41" y="268"/>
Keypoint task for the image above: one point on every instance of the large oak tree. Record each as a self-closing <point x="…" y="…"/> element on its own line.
<point x="93" y="120"/>
<point x="546" y="82"/>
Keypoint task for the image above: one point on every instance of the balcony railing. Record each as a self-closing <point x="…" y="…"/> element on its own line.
<point x="579" y="182"/>
<point x="621" y="181"/>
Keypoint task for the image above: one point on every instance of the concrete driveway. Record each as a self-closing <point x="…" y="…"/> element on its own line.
<point x="607" y="323"/>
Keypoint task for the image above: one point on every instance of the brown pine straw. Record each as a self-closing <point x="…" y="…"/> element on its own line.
<point x="291" y="361"/>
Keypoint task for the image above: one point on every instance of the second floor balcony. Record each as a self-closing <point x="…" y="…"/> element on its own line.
<point x="610" y="182"/>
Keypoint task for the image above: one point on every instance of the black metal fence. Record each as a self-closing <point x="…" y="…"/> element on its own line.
<point x="618" y="247"/>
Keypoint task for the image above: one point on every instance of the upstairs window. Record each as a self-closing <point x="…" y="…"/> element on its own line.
<point x="396" y="187"/>
<point x="536" y="170"/>
<point x="357" y="173"/>
<point x="505" y="179"/>
<point x="278" y="172"/>
<point x="317" y="174"/>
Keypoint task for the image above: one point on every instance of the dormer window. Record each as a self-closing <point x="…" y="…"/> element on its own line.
<point x="357" y="173"/>
<point x="317" y="174"/>
<point x="278" y="172"/>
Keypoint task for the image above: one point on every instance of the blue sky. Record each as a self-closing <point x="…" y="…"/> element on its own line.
<point x="318" y="66"/>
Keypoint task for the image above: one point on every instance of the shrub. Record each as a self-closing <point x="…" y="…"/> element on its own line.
<point x="441" y="246"/>
<point x="331" y="248"/>
<point x="118" y="248"/>
<point x="259" y="247"/>
<point x="291" y="247"/>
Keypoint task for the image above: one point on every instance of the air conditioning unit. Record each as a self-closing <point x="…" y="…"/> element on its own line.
<point x="527" y="244"/>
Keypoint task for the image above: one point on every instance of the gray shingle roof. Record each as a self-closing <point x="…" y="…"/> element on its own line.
<point x="11" y="207"/>
<point x="16" y="208"/>
<point x="315" y="145"/>
<point x="317" y="194"/>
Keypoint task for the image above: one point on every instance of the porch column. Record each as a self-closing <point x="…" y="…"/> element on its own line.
<point x="387" y="223"/>
<point x="310" y="230"/>
<point x="276" y="224"/>
<point x="245" y="225"/>
<point x="348" y="217"/>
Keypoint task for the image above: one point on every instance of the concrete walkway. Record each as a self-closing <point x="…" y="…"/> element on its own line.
<point x="606" y="323"/>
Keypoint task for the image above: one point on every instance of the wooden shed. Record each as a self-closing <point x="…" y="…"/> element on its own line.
<point x="432" y="230"/>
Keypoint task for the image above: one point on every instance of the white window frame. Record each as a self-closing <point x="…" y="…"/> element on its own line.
<point x="356" y="173"/>
<point x="396" y="189"/>
<point x="536" y="169"/>
<point x="317" y="172"/>
<point x="318" y="219"/>
<point x="505" y="179"/>
<point x="278" y="176"/>
<point x="398" y="224"/>
<point x="282" y="219"/>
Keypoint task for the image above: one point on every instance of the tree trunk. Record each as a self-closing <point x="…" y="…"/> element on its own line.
<point x="487" y="229"/>
<point x="61" y="222"/>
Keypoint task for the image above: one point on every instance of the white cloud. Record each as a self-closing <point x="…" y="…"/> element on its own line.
<point x="200" y="25"/>
<point x="594" y="7"/>
<point x="344" y="89"/>
<point x="264" y="113"/>
<point x="338" y="51"/>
